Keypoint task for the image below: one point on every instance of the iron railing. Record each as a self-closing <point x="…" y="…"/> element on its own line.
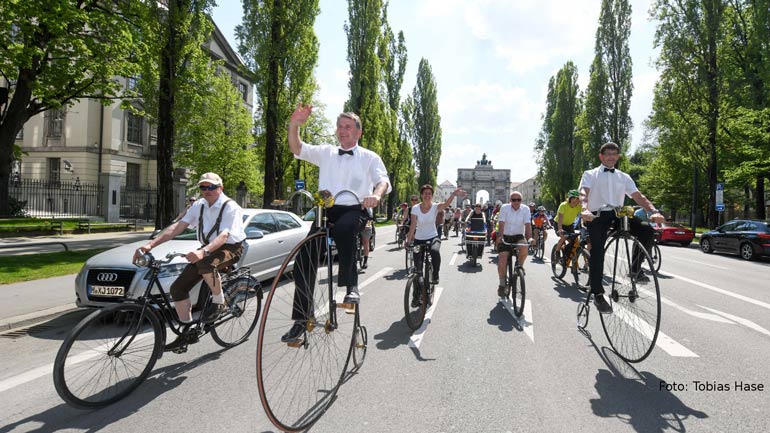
<point x="55" y="199"/>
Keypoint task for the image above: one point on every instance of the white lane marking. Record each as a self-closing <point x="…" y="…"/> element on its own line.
<point x="525" y="321"/>
<point x="745" y="322"/>
<point x="697" y="262"/>
<point x="374" y="277"/>
<point x="454" y="257"/>
<point x="718" y="290"/>
<point x="668" y="344"/>
<point x="698" y="314"/>
<point x="35" y="373"/>
<point x="416" y="339"/>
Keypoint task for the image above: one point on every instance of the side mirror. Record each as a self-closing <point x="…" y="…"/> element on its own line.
<point x="254" y="234"/>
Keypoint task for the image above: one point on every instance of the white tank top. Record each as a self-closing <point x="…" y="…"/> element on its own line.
<point x="426" y="222"/>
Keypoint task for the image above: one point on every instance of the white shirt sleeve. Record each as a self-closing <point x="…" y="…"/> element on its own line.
<point x="630" y="185"/>
<point x="192" y="215"/>
<point x="313" y="153"/>
<point x="378" y="173"/>
<point x="585" y="181"/>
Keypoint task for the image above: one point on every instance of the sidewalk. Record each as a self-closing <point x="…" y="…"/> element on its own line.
<point x="30" y="302"/>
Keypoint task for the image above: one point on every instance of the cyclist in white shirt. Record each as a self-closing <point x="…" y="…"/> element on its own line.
<point x="515" y="225"/>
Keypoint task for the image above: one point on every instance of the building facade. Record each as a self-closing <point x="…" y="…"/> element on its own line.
<point x="89" y="143"/>
<point x="443" y="192"/>
<point x="530" y="190"/>
<point x="484" y="183"/>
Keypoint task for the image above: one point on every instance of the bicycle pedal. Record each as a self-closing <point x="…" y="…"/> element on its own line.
<point x="180" y="350"/>
<point x="296" y="344"/>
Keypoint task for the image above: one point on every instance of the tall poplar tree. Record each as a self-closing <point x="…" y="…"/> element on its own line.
<point x="280" y="48"/>
<point x="426" y="140"/>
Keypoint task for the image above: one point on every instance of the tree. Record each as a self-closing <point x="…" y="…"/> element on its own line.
<point x="690" y="36"/>
<point x="219" y="137"/>
<point x="426" y="140"/>
<point x="280" y="48"/>
<point x="174" y="69"/>
<point x="55" y="52"/>
<point x="366" y="95"/>
<point x="559" y="148"/>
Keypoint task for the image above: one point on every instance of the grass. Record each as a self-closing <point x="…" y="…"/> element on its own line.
<point x="14" y="269"/>
<point x="7" y="224"/>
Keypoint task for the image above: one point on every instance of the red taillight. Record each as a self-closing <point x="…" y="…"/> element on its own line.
<point x="764" y="235"/>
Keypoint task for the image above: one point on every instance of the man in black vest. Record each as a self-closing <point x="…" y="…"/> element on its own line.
<point x="219" y="220"/>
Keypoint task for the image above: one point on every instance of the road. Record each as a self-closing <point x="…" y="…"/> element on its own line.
<point x="473" y="368"/>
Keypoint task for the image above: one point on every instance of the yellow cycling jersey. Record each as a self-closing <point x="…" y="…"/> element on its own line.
<point x="569" y="214"/>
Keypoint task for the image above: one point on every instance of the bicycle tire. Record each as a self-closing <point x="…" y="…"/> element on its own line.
<point x="414" y="315"/>
<point x="360" y="342"/>
<point x="540" y="248"/>
<point x="632" y="328"/>
<point x="558" y="261"/>
<point x="244" y="304"/>
<point x="408" y="260"/>
<point x="359" y="254"/>
<point x="581" y="267"/>
<point x="87" y="354"/>
<point x="583" y="311"/>
<point x="656" y="257"/>
<point x="297" y="381"/>
<point x="518" y="292"/>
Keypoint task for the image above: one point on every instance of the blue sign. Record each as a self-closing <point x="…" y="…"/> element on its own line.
<point x="720" y="207"/>
<point x="720" y="187"/>
<point x="299" y="184"/>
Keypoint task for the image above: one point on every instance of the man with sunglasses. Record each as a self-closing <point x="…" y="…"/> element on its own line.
<point x="515" y="225"/>
<point x="347" y="167"/>
<point x="219" y="220"/>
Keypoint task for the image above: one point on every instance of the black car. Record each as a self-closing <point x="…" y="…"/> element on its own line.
<point x="749" y="238"/>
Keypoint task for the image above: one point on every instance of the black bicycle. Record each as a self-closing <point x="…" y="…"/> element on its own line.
<point x="632" y="327"/>
<point x="418" y="293"/>
<point x="573" y="256"/>
<point x="298" y="380"/>
<point x="539" y="248"/>
<point x="515" y="286"/>
<point x="112" y="350"/>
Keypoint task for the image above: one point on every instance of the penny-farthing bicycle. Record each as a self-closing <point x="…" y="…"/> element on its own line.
<point x="298" y="380"/>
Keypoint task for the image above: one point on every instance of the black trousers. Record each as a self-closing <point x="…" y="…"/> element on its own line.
<point x="346" y="222"/>
<point x="434" y="250"/>
<point x="598" y="230"/>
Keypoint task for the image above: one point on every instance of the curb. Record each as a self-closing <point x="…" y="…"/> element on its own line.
<point x="29" y="319"/>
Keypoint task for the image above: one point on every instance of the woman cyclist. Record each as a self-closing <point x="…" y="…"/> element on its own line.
<point x="422" y="228"/>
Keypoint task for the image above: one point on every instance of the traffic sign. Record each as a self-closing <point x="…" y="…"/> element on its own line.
<point x="299" y="184"/>
<point x="720" y="207"/>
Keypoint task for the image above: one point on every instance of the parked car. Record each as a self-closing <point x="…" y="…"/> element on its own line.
<point x="673" y="233"/>
<point x="271" y="235"/>
<point x="748" y="238"/>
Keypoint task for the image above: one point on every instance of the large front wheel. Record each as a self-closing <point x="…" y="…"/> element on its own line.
<point x="298" y="377"/>
<point x="632" y="328"/>
<point x="107" y="355"/>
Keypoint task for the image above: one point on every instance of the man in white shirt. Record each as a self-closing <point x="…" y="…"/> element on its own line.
<point x="219" y="220"/>
<point x="604" y="188"/>
<point x="347" y="167"/>
<point x="515" y="225"/>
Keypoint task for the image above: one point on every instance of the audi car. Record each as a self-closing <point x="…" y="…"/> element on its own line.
<point x="111" y="277"/>
<point x="747" y="238"/>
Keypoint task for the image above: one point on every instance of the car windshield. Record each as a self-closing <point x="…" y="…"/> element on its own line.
<point x="187" y="235"/>
<point x="310" y="216"/>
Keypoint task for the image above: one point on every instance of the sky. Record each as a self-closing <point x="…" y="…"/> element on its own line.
<point x="491" y="60"/>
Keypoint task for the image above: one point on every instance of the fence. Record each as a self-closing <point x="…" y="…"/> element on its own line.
<point x="55" y="199"/>
<point x="138" y="203"/>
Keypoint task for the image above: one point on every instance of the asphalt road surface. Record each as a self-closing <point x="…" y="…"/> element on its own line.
<point x="473" y="368"/>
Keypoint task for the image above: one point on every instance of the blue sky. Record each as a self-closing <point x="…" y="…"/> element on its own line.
<point x="492" y="60"/>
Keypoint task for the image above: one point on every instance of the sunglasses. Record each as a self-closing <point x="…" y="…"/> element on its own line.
<point x="208" y="188"/>
<point x="515" y="199"/>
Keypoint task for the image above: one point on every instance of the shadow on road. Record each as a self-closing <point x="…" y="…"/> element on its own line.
<point x="500" y="317"/>
<point x="637" y="398"/>
<point x="398" y="334"/>
<point x="568" y="290"/>
<point x="64" y="417"/>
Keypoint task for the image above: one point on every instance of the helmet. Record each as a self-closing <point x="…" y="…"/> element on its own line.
<point x="532" y="204"/>
<point x="403" y="204"/>
<point x="573" y="193"/>
<point x="541" y="208"/>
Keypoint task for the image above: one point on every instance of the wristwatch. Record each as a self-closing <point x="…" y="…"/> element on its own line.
<point x="206" y="252"/>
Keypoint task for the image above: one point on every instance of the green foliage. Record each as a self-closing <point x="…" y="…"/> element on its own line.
<point x="279" y="46"/>
<point x="218" y="137"/>
<point x="426" y="139"/>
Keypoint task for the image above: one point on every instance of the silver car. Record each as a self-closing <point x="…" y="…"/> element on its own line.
<point x="111" y="277"/>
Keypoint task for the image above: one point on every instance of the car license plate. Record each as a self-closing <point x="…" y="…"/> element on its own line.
<point x="679" y="233"/>
<point x="108" y="291"/>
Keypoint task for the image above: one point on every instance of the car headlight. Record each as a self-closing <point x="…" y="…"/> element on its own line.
<point x="172" y="270"/>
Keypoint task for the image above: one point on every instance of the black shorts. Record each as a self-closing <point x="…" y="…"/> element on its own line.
<point x="511" y="239"/>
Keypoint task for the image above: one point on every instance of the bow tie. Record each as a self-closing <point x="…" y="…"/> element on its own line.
<point x="611" y="170"/>
<point x="342" y="152"/>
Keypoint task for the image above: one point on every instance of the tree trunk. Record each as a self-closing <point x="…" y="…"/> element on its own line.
<point x="760" y="198"/>
<point x="11" y="122"/>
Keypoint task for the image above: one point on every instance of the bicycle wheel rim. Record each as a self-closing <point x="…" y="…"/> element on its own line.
<point x="519" y="293"/>
<point x="244" y="305"/>
<point x="414" y="315"/>
<point x="88" y="374"/>
<point x="632" y="328"/>
<point x="558" y="265"/>
<point x="581" y="268"/>
<point x="297" y="383"/>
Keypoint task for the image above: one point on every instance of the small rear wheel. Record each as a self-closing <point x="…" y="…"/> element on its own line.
<point x="582" y="315"/>
<point x="107" y="355"/>
<point x="360" y="340"/>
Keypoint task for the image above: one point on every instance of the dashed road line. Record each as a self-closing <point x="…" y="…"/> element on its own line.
<point x="416" y="339"/>
<point x="718" y="290"/>
<point x="745" y="322"/>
